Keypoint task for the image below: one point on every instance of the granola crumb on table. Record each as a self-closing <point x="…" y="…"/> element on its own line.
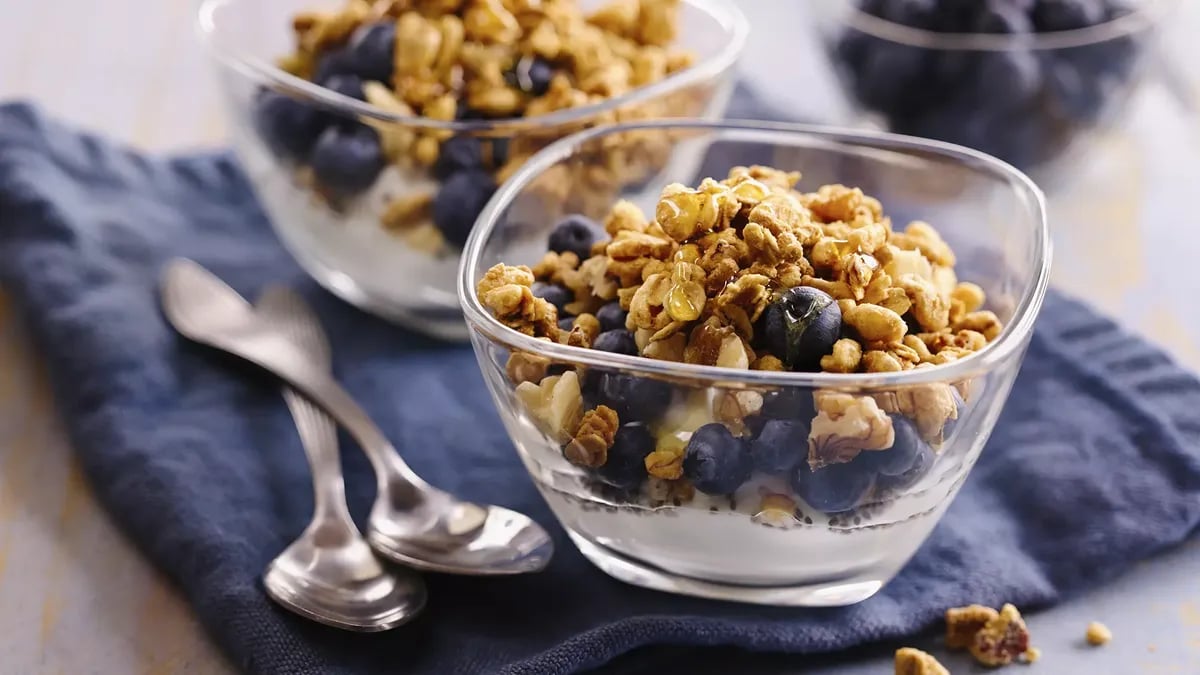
<point x="993" y="638"/>
<point x="1098" y="634"/>
<point x="910" y="661"/>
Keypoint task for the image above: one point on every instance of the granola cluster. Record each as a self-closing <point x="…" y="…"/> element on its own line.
<point x="460" y="60"/>
<point x="749" y="273"/>
<point x="698" y="277"/>
<point x="993" y="638"/>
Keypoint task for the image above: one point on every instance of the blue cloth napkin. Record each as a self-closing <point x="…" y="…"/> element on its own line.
<point x="1094" y="464"/>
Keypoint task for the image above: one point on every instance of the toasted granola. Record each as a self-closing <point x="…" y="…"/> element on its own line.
<point x="910" y="661"/>
<point x="750" y="273"/>
<point x="1098" y="634"/>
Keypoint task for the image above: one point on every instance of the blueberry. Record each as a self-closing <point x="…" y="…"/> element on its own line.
<point x="460" y="202"/>
<point x="834" y="488"/>
<point x="1008" y="79"/>
<point x="904" y="451"/>
<point x="780" y="445"/>
<point x="531" y="75"/>
<point x="495" y="152"/>
<point x="566" y="323"/>
<point x="715" y="461"/>
<point x="576" y="233"/>
<point x="347" y="159"/>
<point x="1002" y="16"/>
<point x="289" y="127"/>
<point x="1055" y="15"/>
<point x="556" y="295"/>
<point x="611" y="316"/>
<point x="346" y="85"/>
<point x="617" y="341"/>
<point x="1072" y="94"/>
<point x="890" y="76"/>
<point x="633" y="397"/>
<point x="371" y="50"/>
<point x="626" y="464"/>
<point x="460" y="153"/>
<point x="792" y="403"/>
<point x="801" y="326"/>
<point x="335" y="62"/>
<point x="919" y="467"/>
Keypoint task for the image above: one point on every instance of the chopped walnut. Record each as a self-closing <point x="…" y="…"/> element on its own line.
<point x="1002" y="639"/>
<point x="846" y="425"/>
<point x="525" y="367"/>
<point x="733" y="407"/>
<point x="910" y="661"/>
<point x="589" y="447"/>
<point x="555" y="404"/>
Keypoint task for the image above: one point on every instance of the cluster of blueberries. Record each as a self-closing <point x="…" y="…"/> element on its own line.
<point x="346" y="156"/>
<point x="798" y="328"/>
<point x="1021" y="104"/>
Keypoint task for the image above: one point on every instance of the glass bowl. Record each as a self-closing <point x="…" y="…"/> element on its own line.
<point x="379" y="249"/>
<point x="1031" y="99"/>
<point x="791" y="539"/>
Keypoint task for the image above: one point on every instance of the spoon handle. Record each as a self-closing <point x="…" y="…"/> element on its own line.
<point x="205" y="309"/>
<point x="318" y="435"/>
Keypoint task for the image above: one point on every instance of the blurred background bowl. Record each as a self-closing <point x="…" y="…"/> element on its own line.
<point x="386" y="236"/>
<point x="1028" y="81"/>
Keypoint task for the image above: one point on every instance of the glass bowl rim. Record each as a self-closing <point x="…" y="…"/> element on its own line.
<point x="1010" y="341"/>
<point x="1144" y="16"/>
<point x="725" y="12"/>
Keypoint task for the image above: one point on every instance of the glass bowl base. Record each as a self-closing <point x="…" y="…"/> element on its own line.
<point x="444" y="323"/>
<point x="826" y="593"/>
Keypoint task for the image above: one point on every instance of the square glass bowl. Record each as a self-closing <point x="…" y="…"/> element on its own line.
<point x="794" y="538"/>
<point x="357" y="246"/>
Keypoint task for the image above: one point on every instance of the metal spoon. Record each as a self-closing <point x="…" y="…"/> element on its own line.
<point x="329" y="573"/>
<point x="411" y="522"/>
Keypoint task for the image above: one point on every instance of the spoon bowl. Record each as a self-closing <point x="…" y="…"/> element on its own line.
<point x="343" y="586"/>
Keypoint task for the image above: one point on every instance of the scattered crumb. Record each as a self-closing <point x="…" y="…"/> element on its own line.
<point x="1031" y="655"/>
<point x="911" y="661"/>
<point x="1098" y="634"/>
<point x="1151" y="648"/>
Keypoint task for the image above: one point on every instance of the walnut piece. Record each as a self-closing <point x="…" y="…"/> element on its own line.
<point x="846" y="425"/>
<point x="555" y="404"/>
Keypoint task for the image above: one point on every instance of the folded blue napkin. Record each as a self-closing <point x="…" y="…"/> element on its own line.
<point x="1094" y="464"/>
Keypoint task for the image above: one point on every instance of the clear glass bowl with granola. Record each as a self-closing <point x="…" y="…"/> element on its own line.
<point x="374" y="131"/>
<point x="765" y="379"/>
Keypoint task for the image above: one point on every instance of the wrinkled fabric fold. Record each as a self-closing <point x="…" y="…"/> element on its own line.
<point x="1095" y="462"/>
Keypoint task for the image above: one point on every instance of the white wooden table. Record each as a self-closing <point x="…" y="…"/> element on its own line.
<point x="76" y="598"/>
